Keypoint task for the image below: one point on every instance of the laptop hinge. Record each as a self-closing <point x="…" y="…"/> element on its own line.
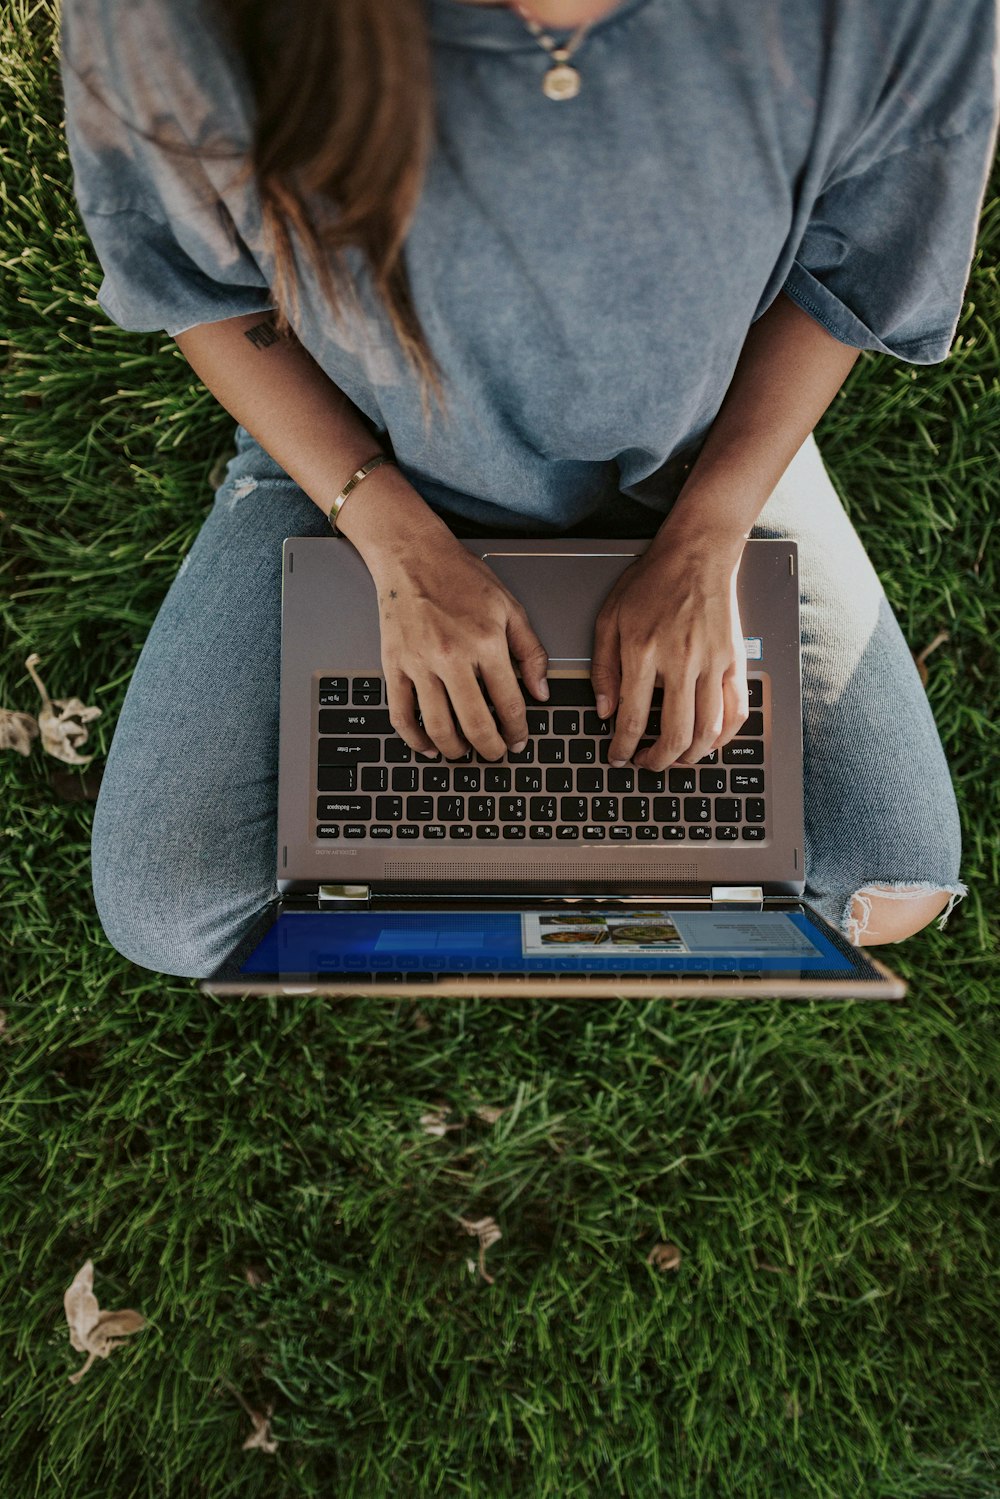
<point x="339" y="895"/>
<point x="744" y="895"/>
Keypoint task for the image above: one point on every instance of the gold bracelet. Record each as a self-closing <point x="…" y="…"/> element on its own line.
<point x="352" y="482"/>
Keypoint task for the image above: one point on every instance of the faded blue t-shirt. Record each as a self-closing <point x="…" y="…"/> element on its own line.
<point x="585" y="270"/>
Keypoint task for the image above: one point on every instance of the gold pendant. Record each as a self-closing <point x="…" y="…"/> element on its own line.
<point x="561" y="82"/>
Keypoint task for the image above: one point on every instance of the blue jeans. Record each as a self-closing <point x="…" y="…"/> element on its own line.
<point x="184" y="837"/>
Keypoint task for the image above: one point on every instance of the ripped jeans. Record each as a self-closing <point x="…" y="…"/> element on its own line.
<point x="184" y="837"/>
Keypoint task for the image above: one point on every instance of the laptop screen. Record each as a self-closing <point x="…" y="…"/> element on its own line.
<point x="546" y="940"/>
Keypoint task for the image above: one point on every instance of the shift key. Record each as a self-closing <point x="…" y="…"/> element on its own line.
<point x="354" y="721"/>
<point x="348" y="751"/>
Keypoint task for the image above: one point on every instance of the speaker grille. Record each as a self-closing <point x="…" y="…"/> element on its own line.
<point x="656" y="876"/>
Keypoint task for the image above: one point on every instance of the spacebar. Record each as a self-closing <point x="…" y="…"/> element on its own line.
<point x="575" y="692"/>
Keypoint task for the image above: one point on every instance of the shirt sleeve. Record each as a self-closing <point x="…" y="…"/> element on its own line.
<point x="886" y="254"/>
<point x="166" y="242"/>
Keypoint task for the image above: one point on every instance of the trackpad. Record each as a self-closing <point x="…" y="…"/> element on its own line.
<point x="563" y="594"/>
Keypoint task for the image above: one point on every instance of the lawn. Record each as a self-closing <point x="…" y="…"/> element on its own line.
<point x="285" y="1189"/>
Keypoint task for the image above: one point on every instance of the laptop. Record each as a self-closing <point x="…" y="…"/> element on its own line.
<point x="548" y="871"/>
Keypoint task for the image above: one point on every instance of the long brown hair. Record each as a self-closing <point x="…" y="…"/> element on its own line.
<point x="343" y="110"/>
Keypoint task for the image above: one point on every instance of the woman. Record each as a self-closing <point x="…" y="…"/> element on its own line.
<point x="602" y="278"/>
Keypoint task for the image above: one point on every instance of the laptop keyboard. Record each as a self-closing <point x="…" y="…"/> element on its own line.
<point x="560" y="788"/>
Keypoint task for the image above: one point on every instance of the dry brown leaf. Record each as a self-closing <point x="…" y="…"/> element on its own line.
<point x="664" y="1257"/>
<point x="487" y="1114"/>
<point x="61" y="720"/>
<point x="256" y="1276"/>
<point x="939" y="638"/>
<point x="433" y="1123"/>
<point x="793" y="1409"/>
<point x="261" y="1435"/>
<point x="17" y="730"/>
<point x="488" y="1232"/>
<point x="92" y="1331"/>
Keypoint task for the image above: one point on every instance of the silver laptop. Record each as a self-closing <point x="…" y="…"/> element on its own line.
<point x="548" y="871"/>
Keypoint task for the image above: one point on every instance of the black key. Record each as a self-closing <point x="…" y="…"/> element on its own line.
<point x="590" y="780"/>
<point x="594" y="833"/>
<point x="419" y="808"/>
<point x="388" y="808"/>
<point x="538" y="720"/>
<point x="451" y="809"/>
<point x="667" y="809"/>
<point x="743" y="752"/>
<point x="621" y="780"/>
<point x="756" y="689"/>
<point x="543" y="808"/>
<point x="653" y="723"/>
<point x="604" y="809"/>
<point x="674" y="834"/>
<point x="466" y="779"/>
<point x="328" y="830"/>
<point x="700" y="834"/>
<point x="755" y="809"/>
<point x="712" y="758"/>
<point x="565" y="722"/>
<point x="647" y="832"/>
<point x="727" y="834"/>
<point x="755" y="833"/>
<point x="496" y="780"/>
<point x="348" y="751"/>
<point x="573" y="809"/>
<point x="635" y="808"/>
<point x="559" y="780"/>
<point x="435" y="778"/>
<point x="596" y="726"/>
<point x="354" y="721"/>
<point x="434" y="830"/>
<point x="681" y="780"/>
<point x="513" y="830"/>
<point x="652" y="780"/>
<point x="460" y="830"/>
<point x="512" y="809"/>
<point x="370" y="699"/>
<point x="366" y="684"/>
<point x="408" y="830"/>
<point x="697" y="809"/>
<point x="355" y="830"/>
<point x="488" y="831"/>
<point x="374" y="778"/>
<point x="528" y="780"/>
<point x="333" y="684"/>
<point x="380" y="830"/>
<point x="526" y="756"/>
<point x="567" y="834"/>
<point x="712" y="781"/>
<point x="551" y="752"/>
<point x="582" y="752"/>
<point x="396" y="751"/>
<point x="334" y="808"/>
<point x="482" y="808"/>
<point x="405" y="780"/>
<point x="465" y="759"/>
<point x="339" y="778"/>
<point x="621" y="833"/>
<point x="752" y="727"/>
<point x="540" y="830"/>
<point x="333" y="699"/>
<point x="747" y="780"/>
<point x="728" y="809"/>
<point x="568" y="692"/>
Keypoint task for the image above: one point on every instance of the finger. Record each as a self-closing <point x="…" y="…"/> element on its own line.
<point x="472" y="712"/>
<point x="507" y="698"/>
<point x="638" y="681"/>
<point x="605" y="664"/>
<point x="438" y="722"/>
<point x="676" y="725"/>
<point x="708" y="714"/>
<point x="529" y="653"/>
<point x="736" y="701"/>
<point x="403" y="711"/>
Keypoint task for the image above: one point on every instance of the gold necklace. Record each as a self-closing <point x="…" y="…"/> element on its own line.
<point x="561" y="81"/>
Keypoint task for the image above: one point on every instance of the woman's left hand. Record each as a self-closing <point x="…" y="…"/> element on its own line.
<point x="672" y="620"/>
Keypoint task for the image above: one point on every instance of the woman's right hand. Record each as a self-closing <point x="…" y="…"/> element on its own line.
<point x="449" y="630"/>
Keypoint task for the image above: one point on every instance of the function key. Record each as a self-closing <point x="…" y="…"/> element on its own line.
<point x="513" y="830"/>
<point x="408" y="830"/>
<point x="460" y="830"/>
<point x="328" y="830"/>
<point x="434" y="830"/>
<point x="727" y="834"/>
<point x="620" y="832"/>
<point x="540" y="830"/>
<point x="488" y="830"/>
<point x="355" y="830"/>
<point x="754" y="834"/>
<point x="647" y="833"/>
<point x="699" y="834"/>
<point x="567" y="833"/>
<point x="594" y="832"/>
<point x="333" y="684"/>
<point x="380" y="830"/>
<point x="675" y="834"/>
<point x="756" y="687"/>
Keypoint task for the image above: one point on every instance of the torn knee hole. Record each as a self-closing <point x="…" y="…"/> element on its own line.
<point x="871" y="918"/>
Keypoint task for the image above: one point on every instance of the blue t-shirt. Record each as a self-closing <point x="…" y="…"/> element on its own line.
<point x="585" y="269"/>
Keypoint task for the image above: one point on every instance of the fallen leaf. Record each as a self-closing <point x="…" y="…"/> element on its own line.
<point x="92" y="1331"/>
<point x="433" y="1123"/>
<point x="61" y="720"/>
<point x="939" y="638"/>
<point x="17" y="730"/>
<point x="256" y="1276"/>
<point x="487" y="1114"/>
<point x="420" y="1020"/>
<point x="664" y="1257"/>
<point x="261" y="1435"/>
<point x="488" y="1232"/>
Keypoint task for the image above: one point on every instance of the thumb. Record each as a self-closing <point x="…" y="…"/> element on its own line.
<point x="605" y="666"/>
<point x="529" y="653"/>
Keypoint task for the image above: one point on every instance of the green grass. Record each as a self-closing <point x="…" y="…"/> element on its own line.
<point x="178" y="1140"/>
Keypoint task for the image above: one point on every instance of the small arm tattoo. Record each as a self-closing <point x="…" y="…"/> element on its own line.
<point x="262" y="335"/>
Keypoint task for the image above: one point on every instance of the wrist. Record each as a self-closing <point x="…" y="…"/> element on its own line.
<point x="701" y="545"/>
<point x="385" y="516"/>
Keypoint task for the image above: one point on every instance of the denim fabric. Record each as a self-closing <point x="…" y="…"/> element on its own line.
<point x="585" y="270"/>
<point x="184" y="837"/>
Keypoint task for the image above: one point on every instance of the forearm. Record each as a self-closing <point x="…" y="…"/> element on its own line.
<point x="788" y="372"/>
<point x="275" y="388"/>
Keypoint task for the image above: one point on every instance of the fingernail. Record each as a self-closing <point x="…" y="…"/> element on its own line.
<point x="602" y="705"/>
<point x="543" y="691"/>
<point x="618" y="764"/>
<point x="518" y="747"/>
